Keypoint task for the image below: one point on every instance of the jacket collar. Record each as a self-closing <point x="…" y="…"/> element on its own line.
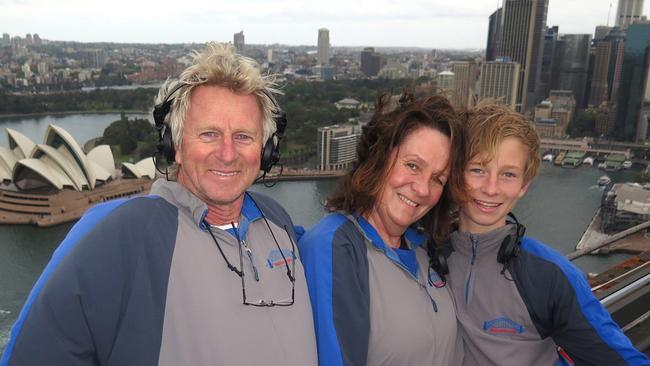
<point x="486" y="243"/>
<point x="181" y="197"/>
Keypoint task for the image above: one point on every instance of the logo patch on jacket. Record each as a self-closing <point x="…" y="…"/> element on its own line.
<point x="275" y="259"/>
<point x="502" y="325"/>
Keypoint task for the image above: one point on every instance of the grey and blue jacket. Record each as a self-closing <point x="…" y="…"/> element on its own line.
<point x="521" y="315"/>
<point x="141" y="282"/>
<point x="372" y="304"/>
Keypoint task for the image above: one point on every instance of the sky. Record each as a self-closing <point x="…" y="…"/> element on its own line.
<point x="455" y="24"/>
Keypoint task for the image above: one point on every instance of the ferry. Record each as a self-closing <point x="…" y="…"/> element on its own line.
<point x="604" y="181"/>
<point x="588" y="161"/>
<point x="548" y="157"/>
<point x="627" y="164"/>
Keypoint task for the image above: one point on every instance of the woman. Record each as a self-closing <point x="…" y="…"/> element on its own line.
<point x="375" y="299"/>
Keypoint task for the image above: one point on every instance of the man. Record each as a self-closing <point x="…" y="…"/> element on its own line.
<point x="201" y="272"/>
<point x="517" y="299"/>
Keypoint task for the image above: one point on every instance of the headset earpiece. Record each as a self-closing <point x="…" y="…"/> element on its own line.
<point x="510" y="246"/>
<point x="165" y="145"/>
<point x="271" y="149"/>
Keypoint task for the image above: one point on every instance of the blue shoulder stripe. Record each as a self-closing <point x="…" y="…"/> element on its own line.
<point x="592" y="310"/>
<point x="316" y="255"/>
<point x="94" y="215"/>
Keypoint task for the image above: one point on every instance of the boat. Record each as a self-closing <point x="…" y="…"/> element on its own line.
<point x="627" y="164"/>
<point x="602" y="165"/>
<point x="548" y="157"/>
<point x="588" y="161"/>
<point x="559" y="158"/>
<point x="604" y="181"/>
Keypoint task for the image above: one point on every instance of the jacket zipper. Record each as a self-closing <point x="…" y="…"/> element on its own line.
<point x="471" y="268"/>
<point x="249" y="253"/>
<point x="400" y="265"/>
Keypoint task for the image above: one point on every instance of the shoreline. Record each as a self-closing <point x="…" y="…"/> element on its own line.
<point x="67" y="113"/>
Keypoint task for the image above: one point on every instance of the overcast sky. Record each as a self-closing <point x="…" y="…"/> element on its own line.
<point x="430" y="24"/>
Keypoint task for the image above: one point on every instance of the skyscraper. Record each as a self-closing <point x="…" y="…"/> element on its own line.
<point x="370" y="62"/>
<point x="466" y="75"/>
<point x="628" y="11"/>
<point x="499" y="81"/>
<point x="494" y="35"/>
<point x="522" y="39"/>
<point x="239" y="41"/>
<point x="631" y="95"/>
<point x="546" y="73"/>
<point x="599" y="86"/>
<point x="337" y="147"/>
<point x="570" y="63"/>
<point x="323" y="46"/>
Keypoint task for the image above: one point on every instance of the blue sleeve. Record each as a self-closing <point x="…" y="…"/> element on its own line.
<point x="76" y="314"/>
<point x="336" y="269"/>
<point x="564" y="308"/>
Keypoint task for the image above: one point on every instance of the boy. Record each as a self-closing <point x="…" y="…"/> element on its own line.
<point x="519" y="301"/>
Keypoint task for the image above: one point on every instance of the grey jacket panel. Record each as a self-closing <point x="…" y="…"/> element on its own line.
<point x="205" y="300"/>
<point x="497" y="327"/>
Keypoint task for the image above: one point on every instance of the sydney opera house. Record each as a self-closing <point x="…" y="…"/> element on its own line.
<point x="56" y="181"/>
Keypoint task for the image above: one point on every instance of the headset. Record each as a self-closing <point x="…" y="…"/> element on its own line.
<point x="165" y="148"/>
<point x="509" y="249"/>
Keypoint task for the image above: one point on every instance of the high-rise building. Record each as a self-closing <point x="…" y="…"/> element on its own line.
<point x="546" y="73"/>
<point x="601" y="32"/>
<point x="499" y="81"/>
<point x="370" y="62"/>
<point x="628" y="12"/>
<point x="617" y="38"/>
<point x="37" y="40"/>
<point x="28" y="39"/>
<point x="599" y="87"/>
<point x="323" y="46"/>
<point x="494" y="35"/>
<point x="239" y="41"/>
<point x="337" y="147"/>
<point x="522" y="38"/>
<point x="446" y="82"/>
<point x="571" y="61"/>
<point x="466" y="77"/>
<point x="6" y="40"/>
<point x="633" y="85"/>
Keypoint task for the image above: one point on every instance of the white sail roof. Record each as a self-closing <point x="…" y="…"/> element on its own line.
<point x="20" y="144"/>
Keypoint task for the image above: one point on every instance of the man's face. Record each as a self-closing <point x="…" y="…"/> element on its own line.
<point x="494" y="187"/>
<point x="219" y="156"/>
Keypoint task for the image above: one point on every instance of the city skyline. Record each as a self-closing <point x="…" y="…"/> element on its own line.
<point x="413" y="23"/>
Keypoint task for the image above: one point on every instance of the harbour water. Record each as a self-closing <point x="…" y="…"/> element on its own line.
<point x="557" y="209"/>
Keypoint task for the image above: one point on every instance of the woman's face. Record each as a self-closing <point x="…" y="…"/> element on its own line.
<point x="414" y="183"/>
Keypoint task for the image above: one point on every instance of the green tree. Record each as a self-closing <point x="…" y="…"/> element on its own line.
<point x="583" y="124"/>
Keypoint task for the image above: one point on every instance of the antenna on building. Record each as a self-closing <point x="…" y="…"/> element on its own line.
<point x="609" y="12"/>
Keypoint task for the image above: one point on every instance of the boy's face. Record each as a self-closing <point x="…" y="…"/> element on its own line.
<point x="494" y="187"/>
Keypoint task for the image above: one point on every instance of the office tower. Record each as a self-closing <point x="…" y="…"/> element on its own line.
<point x="571" y="63"/>
<point x="494" y="35"/>
<point x="323" y="46"/>
<point x="522" y="39"/>
<point x="238" y="41"/>
<point x="6" y="39"/>
<point x="628" y="12"/>
<point x="499" y="81"/>
<point x="370" y="62"/>
<point x="337" y="147"/>
<point x="28" y="39"/>
<point x="632" y="90"/>
<point x="617" y="38"/>
<point x="466" y="76"/>
<point x="546" y="72"/>
<point x="37" y="40"/>
<point x="605" y="118"/>
<point x="601" y="32"/>
<point x="446" y="82"/>
<point x="552" y="116"/>
<point x="599" y="87"/>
